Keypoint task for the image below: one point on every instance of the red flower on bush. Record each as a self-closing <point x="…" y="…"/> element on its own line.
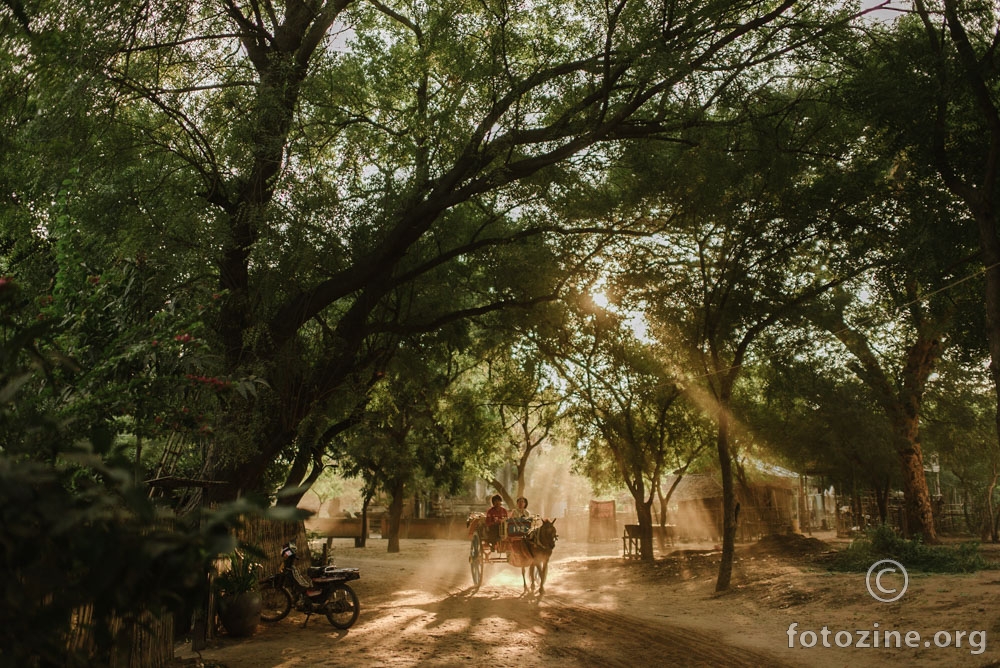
<point x="215" y="383"/>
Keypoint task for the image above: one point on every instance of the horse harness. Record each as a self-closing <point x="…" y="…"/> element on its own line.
<point x="533" y="541"/>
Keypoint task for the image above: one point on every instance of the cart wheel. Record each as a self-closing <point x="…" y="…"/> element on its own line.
<point x="476" y="560"/>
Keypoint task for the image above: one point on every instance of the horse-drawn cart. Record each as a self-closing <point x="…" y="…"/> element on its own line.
<point x="526" y="543"/>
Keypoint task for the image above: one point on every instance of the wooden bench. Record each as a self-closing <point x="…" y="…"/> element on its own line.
<point x="630" y="542"/>
<point x="338" y="528"/>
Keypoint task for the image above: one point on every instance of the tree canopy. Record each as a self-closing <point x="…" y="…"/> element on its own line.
<point x="264" y="234"/>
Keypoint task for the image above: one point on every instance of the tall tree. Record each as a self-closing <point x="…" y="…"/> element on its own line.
<point x="899" y="390"/>
<point x="820" y="418"/>
<point x="531" y="409"/>
<point x="426" y="421"/>
<point x="308" y="160"/>
<point x="928" y="84"/>
<point x="753" y="215"/>
<point x="627" y="406"/>
<point x="960" y="429"/>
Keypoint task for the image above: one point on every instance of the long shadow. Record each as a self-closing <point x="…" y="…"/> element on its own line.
<point x="481" y="603"/>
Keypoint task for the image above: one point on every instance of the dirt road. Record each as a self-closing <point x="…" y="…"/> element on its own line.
<point x="419" y="609"/>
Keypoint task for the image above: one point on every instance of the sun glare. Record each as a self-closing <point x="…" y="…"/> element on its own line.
<point x="600" y="299"/>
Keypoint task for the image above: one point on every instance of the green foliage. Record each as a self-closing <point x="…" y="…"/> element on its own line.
<point x="883" y="542"/>
<point x="327" y="486"/>
<point x="426" y="421"/>
<point x="960" y="426"/>
<point x="632" y="421"/>
<point x="816" y="417"/>
<point x="298" y="218"/>
<point x="75" y="533"/>
<point x="77" y="530"/>
<point x="241" y="577"/>
<point x="391" y="179"/>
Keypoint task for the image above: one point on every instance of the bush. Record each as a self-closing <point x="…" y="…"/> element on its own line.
<point x="883" y="542"/>
<point x="77" y="531"/>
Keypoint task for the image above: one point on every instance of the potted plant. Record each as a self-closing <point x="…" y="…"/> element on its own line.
<point x="238" y="595"/>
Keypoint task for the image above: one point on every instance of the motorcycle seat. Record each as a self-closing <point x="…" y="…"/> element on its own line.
<point x="321" y="573"/>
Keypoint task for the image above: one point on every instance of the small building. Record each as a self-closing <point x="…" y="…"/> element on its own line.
<point x="695" y="508"/>
<point x="768" y="504"/>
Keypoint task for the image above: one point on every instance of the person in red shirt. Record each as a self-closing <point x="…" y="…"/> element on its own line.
<point x="494" y="516"/>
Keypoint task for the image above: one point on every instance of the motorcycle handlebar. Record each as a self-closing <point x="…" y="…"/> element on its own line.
<point x="288" y="552"/>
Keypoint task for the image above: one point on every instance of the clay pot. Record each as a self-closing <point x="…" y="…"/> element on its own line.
<point x="240" y="613"/>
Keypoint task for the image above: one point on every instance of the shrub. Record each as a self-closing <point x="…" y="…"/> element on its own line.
<point x="883" y="542"/>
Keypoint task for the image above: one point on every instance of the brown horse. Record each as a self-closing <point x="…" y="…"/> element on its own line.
<point x="539" y="543"/>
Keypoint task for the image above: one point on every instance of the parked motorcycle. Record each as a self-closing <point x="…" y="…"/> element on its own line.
<point x="323" y="589"/>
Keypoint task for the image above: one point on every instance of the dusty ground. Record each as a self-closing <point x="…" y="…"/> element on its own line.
<point x="418" y="608"/>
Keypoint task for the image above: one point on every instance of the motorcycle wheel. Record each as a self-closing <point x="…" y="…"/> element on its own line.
<point x="342" y="609"/>
<point x="277" y="603"/>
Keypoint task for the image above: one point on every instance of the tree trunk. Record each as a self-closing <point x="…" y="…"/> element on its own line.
<point x="644" y="513"/>
<point x="245" y="476"/>
<point x="857" y="510"/>
<point x="902" y="401"/>
<point x="665" y="502"/>
<point x="989" y="530"/>
<point x="661" y="517"/>
<point x="502" y="491"/>
<point x="395" y="515"/>
<point x="920" y="361"/>
<point x="804" y="510"/>
<point x="882" y="499"/>
<point x="661" y="507"/>
<point x="919" y="514"/>
<point x="965" y="505"/>
<point x="729" y="511"/>
<point x="364" y="520"/>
